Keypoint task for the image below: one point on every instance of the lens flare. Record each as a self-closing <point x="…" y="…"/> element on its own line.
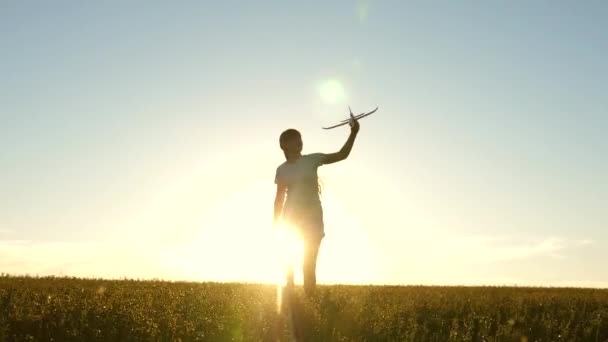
<point x="362" y="8"/>
<point x="289" y="249"/>
<point x="332" y="91"/>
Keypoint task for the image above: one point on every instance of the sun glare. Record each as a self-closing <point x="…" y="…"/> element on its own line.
<point x="243" y="247"/>
<point x="332" y="91"/>
<point x="289" y="252"/>
<point x="247" y="248"/>
<point x="288" y="248"/>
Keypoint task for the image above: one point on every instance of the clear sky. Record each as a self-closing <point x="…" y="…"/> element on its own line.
<point x="140" y="139"/>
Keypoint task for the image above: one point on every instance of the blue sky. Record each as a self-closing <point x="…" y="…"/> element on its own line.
<point x="140" y="139"/>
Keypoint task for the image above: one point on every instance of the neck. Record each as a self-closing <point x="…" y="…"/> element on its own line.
<point x="292" y="157"/>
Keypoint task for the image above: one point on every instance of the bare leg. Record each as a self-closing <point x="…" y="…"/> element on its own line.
<point x="287" y="289"/>
<point x="309" y="267"/>
<point x="289" y="277"/>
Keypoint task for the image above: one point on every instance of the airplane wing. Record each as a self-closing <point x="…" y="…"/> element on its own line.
<point x="346" y="121"/>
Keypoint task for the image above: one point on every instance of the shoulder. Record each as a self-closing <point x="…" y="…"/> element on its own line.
<point x="278" y="177"/>
<point x="315" y="158"/>
<point x="281" y="167"/>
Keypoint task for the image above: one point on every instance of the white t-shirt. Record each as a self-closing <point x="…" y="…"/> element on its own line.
<point x="301" y="180"/>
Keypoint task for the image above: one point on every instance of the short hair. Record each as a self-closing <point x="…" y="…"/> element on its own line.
<point x="288" y="135"/>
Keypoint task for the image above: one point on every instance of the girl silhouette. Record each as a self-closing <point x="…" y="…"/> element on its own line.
<point x="297" y="200"/>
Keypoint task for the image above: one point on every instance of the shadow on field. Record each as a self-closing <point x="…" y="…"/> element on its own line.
<point x="302" y="314"/>
<point x="298" y="324"/>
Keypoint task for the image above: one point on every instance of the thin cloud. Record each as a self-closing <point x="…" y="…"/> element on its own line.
<point x="474" y="250"/>
<point x="438" y="258"/>
<point x="82" y="259"/>
<point x="431" y="260"/>
<point x="488" y="252"/>
<point x="584" y="242"/>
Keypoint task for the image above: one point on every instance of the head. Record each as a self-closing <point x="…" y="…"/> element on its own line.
<point x="291" y="142"/>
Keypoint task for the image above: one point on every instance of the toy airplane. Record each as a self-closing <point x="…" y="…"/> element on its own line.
<point x="352" y="118"/>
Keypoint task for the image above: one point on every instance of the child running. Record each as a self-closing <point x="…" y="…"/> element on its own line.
<point x="297" y="200"/>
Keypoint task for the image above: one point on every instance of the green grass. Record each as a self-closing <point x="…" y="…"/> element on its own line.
<point x="70" y="309"/>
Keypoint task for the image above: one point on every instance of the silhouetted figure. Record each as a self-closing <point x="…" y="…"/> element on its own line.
<point x="297" y="200"/>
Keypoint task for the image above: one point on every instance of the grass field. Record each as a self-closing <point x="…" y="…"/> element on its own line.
<point x="69" y="309"/>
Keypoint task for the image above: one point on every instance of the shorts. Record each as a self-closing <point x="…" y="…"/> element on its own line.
<point x="307" y="221"/>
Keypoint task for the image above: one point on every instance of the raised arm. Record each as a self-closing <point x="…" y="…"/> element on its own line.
<point x="345" y="150"/>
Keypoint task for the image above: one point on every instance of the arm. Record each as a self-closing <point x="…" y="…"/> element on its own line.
<point x="345" y="150"/>
<point x="278" y="202"/>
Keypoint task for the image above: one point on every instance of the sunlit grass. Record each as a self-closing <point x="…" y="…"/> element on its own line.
<point x="70" y="309"/>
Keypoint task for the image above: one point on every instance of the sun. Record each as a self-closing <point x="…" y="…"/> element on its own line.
<point x="288" y="250"/>
<point x="236" y="242"/>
